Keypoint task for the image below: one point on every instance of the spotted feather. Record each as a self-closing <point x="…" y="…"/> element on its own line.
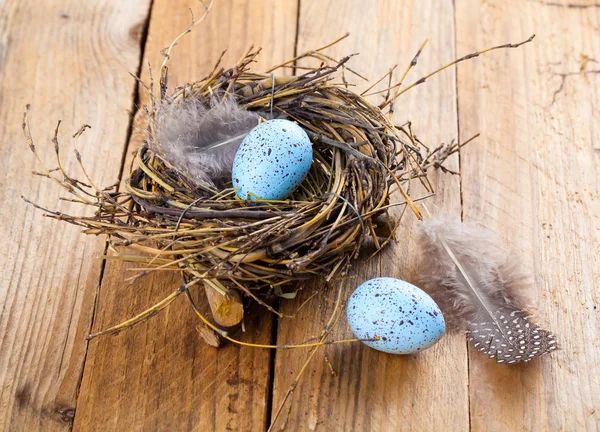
<point x="481" y="289"/>
<point x="516" y="340"/>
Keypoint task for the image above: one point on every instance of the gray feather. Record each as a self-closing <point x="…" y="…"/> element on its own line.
<point x="201" y="140"/>
<point x="481" y="289"/>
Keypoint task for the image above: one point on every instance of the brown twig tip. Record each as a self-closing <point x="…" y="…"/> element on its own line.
<point x="413" y="62"/>
<point x="55" y="138"/>
<point x="81" y="130"/>
<point x="26" y="130"/>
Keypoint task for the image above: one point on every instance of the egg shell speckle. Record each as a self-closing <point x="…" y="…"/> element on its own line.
<point x="272" y="161"/>
<point x="404" y="317"/>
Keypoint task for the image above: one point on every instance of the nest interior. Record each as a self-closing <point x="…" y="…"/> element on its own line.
<point x="360" y="158"/>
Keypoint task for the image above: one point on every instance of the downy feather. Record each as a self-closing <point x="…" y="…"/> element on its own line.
<point x="481" y="289"/>
<point x="201" y="139"/>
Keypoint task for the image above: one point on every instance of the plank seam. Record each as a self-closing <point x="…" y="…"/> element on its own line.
<point x="460" y="192"/>
<point x="271" y="377"/>
<point x="136" y="92"/>
<point x="128" y="134"/>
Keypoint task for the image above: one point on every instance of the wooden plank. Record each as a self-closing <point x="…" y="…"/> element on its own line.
<point x="161" y="375"/>
<point x="534" y="177"/>
<point x="69" y="59"/>
<point x="351" y="387"/>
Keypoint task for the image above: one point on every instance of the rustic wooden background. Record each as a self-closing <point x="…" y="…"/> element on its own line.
<point x="533" y="176"/>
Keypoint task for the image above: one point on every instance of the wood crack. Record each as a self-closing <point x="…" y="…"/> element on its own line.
<point x="135" y="101"/>
<point x="461" y="198"/>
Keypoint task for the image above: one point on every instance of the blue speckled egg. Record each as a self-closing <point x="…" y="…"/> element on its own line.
<point x="272" y="161"/>
<point x="404" y="317"/>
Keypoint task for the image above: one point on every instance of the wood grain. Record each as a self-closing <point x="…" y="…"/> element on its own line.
<point x="534" y="177"/>
<point x="351" y="387"/>
<point x="161" y="375"/>
<point x="69" y="59"/>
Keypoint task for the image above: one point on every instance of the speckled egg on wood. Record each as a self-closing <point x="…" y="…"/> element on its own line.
<point x="272" y="161"/>
<point x="403" y="316"/>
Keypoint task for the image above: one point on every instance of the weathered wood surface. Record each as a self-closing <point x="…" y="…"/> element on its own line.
<point x="160" y="375"/>
<point x="533" y="176"/>
<point x="69" y="59"/>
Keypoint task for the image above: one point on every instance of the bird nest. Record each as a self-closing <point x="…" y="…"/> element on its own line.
<point x="361" y="160"/>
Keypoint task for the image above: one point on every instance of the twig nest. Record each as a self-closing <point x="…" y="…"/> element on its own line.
<point x="346" y="155"/>
<point x="308" y="181"/>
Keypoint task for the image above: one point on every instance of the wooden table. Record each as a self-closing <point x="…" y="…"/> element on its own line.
<point x="533" y="176"/>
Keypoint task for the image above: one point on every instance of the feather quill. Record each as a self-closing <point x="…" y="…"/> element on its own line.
<point x="481" y="289"/>
<point x="201" y="139"/>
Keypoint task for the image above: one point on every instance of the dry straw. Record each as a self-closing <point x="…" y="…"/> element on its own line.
<point x="361" y="158"/>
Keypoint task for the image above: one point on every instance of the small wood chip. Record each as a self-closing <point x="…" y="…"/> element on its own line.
<point x="209" y="336"/>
